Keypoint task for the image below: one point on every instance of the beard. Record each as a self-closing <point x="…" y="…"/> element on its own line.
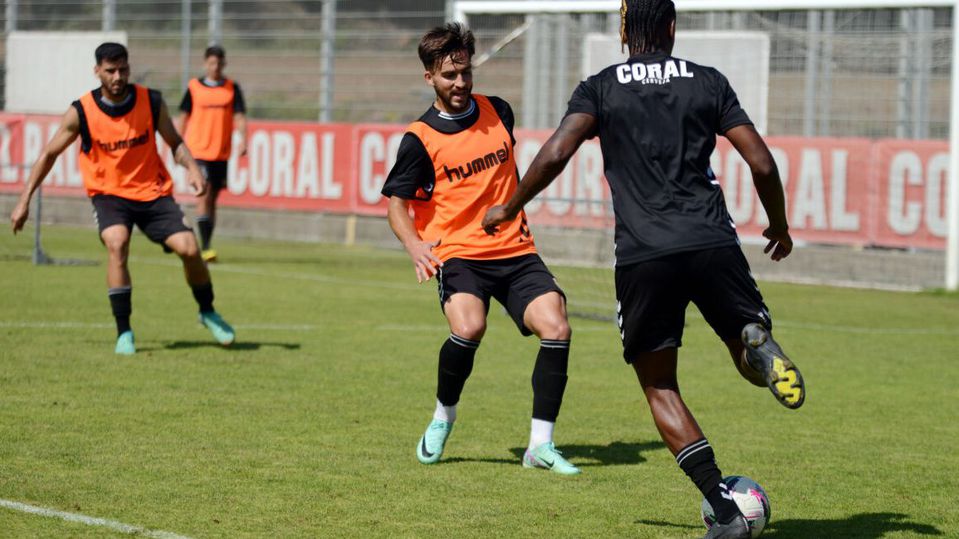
<point x="448" y="104"/>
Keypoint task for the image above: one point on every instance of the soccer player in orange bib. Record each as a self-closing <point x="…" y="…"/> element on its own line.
<point x="211" y="107"/>
<point x="453" y="164"/>
<point x="128" y="184"/>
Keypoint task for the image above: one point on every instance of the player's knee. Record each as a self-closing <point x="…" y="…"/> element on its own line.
<point x="561" y="330"/>
<point x="118" y="248"/>
<point x="473" y="331"/>
<point x="187" y="252"/>
<point x="554" y="329"/>
<point x="185" y="248"/>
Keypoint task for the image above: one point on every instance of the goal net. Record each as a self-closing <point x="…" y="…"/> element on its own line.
<point x="853" y="98"/>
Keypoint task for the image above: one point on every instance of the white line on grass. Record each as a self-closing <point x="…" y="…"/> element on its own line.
<point x="397" y="286"/>
<point x="866" y="331"/>
<point x="439" y="327"/>
<point x="777" y="323"/>
<point x="54" y="325"/>
<point x="442" y="327"/>
<point x="90" y="521"/>
<point x="92" y="325"/>
<point x="315" y="277"/>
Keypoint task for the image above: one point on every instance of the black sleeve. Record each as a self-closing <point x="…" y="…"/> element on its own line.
<point x="505" y="113"/>
<point x="86" y="142"/>
<point x="186" y="104"/>
<point x="730" y="113"/>
<point x="156" y="103"/>
<point x="585" y="100"/>
<point x="413" y="175"/>
<point x="239" y="105"/>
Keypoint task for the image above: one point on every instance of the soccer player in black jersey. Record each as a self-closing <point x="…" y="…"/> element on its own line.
<point x="657" y="118"/>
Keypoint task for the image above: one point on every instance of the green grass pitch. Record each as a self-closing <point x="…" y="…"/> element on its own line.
<point x="307" y="426"/>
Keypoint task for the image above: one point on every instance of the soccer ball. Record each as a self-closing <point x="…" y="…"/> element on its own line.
<point x="751" y="499"/>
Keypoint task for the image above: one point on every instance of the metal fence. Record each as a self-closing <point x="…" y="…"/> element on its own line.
<point x="867" y="73"/>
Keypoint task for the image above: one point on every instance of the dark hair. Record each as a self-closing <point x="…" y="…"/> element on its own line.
<point x="645" y="24"/>
<point x="111" y="52"/>
<point x="214" y="50"/>
<point x="442" y="41"/>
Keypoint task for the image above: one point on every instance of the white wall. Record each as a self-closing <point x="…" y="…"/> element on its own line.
<point x="46" y="71"/>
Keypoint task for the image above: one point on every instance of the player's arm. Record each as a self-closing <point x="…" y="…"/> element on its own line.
<point x="181" y="122"/>
<point x="181" y="154"/>
<point x="769" y="186"/>
<point x="62" y="139"/>
<point x="421" y="252"/>
<point x="186" y="108"/>
<point x="547" y="165"/>
<point x="239" y="121"/>
<point x="239" y="118"/>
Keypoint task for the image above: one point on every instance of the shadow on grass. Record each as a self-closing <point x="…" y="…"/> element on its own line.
<point x="663" y="524"/>
<point x="861" y="526"/>
<point x="616" y="453"/>
<point x="243" y="346"/>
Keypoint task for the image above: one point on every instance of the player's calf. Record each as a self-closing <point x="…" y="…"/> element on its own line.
<point x="765" y="356"/>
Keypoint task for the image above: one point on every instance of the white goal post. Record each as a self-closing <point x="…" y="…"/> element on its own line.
<point x="462" y="9"/>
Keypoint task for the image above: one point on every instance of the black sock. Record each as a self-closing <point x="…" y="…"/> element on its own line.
<point x="549" y="379"/>
<point x="206" y="225"/>
<point x="121" y="303"/>
<point x="203" y="293"/>
<point x="699" y="462"/>
<point x="456" y="364"/>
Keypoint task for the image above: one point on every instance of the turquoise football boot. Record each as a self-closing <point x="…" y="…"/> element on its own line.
<point x="125" y="345"/>
<point x="222" y="332"/>
<point x="430" y="448"/>
<point x="548" y="457"/>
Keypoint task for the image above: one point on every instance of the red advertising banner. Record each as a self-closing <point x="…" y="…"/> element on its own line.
<point x="911" y="193"/>
<point x="579" y="197"/>
<point x="838" y="190"/>
<point x="830" y="188"/>
<point x="294" y="166"/>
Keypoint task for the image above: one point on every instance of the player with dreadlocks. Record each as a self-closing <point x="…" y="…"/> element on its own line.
<point x="657" y="118"/>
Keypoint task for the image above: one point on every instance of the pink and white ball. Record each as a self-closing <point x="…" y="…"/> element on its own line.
<point x="751" y="499"/>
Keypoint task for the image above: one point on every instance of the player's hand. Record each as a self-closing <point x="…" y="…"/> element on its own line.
<point x="780" y="244"/>
<point x="494" y="217"/>
<point x="241" y="148"/>
<point x="197" y="182"/>
<point x="424" y="261"/>
<point x="19" y="216"/>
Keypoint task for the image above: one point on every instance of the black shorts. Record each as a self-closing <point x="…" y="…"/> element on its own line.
<point x="514" y="282"/>
<point x="653" y="295"/>
<point x="158" y="219"/>
<point x="215" y="173"/>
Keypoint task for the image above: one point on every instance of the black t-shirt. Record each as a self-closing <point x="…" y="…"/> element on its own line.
<point x="413" y="175"/>
<point x="657" y="121"/>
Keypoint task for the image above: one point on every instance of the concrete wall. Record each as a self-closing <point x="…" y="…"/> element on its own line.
<point x="836" y="265"/>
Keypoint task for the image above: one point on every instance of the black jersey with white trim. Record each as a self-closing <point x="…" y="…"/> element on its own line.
<point x="657" y="121"/>
<point x="413" y="175"/>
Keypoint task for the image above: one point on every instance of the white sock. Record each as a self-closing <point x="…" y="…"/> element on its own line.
<point x="540" y="432"/>
<point x="445" y="413"/>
